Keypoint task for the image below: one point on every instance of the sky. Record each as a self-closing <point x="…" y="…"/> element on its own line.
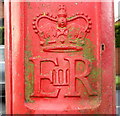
<point x="117" y="9"/>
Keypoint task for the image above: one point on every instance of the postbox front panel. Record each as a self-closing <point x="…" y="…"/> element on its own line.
<point x="62" y="59"/>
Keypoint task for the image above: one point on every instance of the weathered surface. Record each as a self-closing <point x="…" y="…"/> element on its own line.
<point x="59" y="51"/>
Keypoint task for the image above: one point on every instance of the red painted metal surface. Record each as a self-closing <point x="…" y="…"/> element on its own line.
<point x="60" y="58"/>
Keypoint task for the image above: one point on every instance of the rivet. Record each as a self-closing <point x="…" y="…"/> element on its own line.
<point x="89" y="18"/>
<point x="88" y="31"/>
<point x="86" y="15"/>
<point x="41" y="43"/>
<point x="82" y="13"/>
<point x="34" y="27"/>
<point x="36" y="31"/>
<point x="90" y="27"/>
<point x="34" y="19"/>
<point x="33" y="23"/>
<point x="90" y="22"/>
<point x="38" y="15"/>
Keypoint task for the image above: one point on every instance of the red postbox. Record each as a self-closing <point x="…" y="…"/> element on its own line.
<point x="60" y="58"/>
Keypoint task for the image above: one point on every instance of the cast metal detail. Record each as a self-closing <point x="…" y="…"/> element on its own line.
<point x="62" y="33"/>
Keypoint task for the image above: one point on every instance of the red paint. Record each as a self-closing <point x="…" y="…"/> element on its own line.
<point x="56" y="64"/>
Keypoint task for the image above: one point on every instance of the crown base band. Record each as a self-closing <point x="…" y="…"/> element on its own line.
<point x="62" y="49"/>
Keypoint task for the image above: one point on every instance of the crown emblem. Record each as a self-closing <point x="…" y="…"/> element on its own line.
<point x="61" y="33"/>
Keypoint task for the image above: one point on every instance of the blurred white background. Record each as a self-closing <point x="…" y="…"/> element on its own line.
<point x="117" y="9"/>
